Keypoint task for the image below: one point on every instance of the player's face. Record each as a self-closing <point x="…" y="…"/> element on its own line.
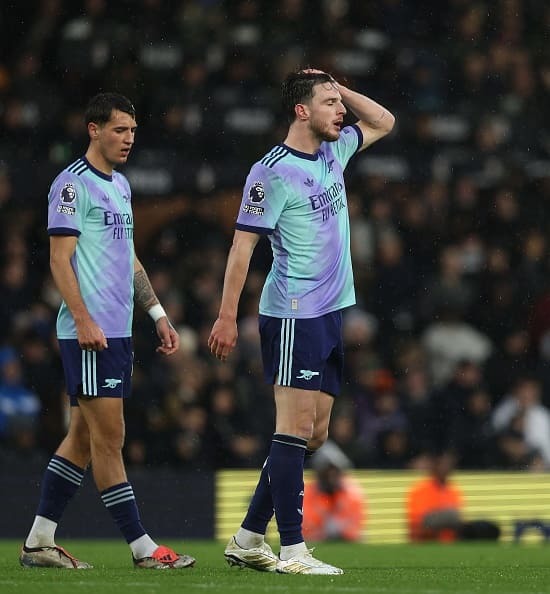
<point x="116" y="137"/>
<point x="327" y="112"/>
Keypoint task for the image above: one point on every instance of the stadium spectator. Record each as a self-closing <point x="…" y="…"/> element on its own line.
<point x="343" y="430"/>
<point x="416" y="395"/>
<point x="498" y="303"/>
<point x="449" y="401"/>
<point x="334" y="506"/>
<point x="234" y="437"/>
<point x="16" y="288"/>
<point x="434" y="504"/>
<point x="19" y="406"/>
<point x="449" y="291"/>
<point x="448" y="340"/>
<point x="523" y="411"/>
<point x="42" y="371"/>
<point x="378" y="410"/>
<point x="393" y="292"/>
<point x="302" y="300"/>
<point x="471" y="433"/>
<point x="435" y="507"/>
<point x="94" y="265"/>
<point x="513" y="358"/>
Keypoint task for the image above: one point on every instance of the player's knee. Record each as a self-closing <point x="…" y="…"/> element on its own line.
<point x="106" y="451"/>
<point x="109" y="443"/>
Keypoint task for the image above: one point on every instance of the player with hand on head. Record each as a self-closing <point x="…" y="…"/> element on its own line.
<point x="93" y="263"/>
<point x="296" y="196"/>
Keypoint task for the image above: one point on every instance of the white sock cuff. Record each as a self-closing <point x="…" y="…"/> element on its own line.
<point x="42" y="533"/>
<point x="248" y="539"/>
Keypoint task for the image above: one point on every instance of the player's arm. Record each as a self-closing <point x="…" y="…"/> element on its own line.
<point x="144" y="294"/>
<point x="374" y="122"/>
<point x="89" y="335"/>
<point x="223" y="336"/>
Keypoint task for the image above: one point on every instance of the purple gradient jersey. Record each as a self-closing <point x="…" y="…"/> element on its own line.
<point x="97" y="209"/>
<point x="299" y="201"/>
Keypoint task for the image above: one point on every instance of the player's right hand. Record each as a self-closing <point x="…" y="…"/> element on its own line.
<point x="223" y="338"/>
<point x="90" y="336"/>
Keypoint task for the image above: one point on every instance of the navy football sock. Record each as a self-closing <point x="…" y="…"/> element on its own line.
<point x="60" y="482"/>
<point x="121" y="503"/>
<point x="286" y="474"/>
<point x="260" y="510"/>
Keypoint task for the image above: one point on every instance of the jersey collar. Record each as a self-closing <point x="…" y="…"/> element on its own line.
<point x="300" y="154"/>
<point x="96" y="171"/>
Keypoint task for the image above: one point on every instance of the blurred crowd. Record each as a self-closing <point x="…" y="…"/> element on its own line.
<point x="449" y="344"/>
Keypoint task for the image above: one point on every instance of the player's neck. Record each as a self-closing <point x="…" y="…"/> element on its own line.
<point x="98" y="161"/>
<point x="301" y="141"/>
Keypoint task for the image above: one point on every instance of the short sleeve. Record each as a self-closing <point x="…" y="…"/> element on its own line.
<point x="264" y="198"/>
<point x="350" y="141"/>
<point x="67" y="205"/>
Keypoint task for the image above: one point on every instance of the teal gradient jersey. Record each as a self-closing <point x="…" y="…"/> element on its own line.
<point x="299" y="201"/>
<point x="97" y="209"/>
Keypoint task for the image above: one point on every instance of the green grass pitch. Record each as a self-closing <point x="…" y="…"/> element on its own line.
<point x="383" y="569"/>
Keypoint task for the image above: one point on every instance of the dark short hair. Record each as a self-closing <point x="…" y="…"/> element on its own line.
<point x="298" y="88"/>
<point x="100" y="107"/>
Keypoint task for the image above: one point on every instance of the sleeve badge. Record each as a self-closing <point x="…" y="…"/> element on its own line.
<point x="68" y="194"/>
<point x="256" y="194"/>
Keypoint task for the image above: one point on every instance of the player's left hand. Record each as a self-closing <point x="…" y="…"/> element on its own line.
<point x="169" y="338"/>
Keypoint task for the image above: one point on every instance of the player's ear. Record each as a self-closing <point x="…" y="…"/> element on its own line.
<point x="301" y="110"/>
<point x="93" y="130"/>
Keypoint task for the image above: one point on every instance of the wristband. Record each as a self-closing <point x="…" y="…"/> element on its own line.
<point x="157" y="312"/>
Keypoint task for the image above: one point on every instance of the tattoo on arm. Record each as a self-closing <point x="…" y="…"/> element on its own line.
<point x="143" y="291"/>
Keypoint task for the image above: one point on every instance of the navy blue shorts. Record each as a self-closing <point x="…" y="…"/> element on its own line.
<point x="106" y="373"/>
<point x="303" y="353"/>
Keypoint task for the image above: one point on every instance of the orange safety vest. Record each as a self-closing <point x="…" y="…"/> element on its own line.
<point x="425" y="497"/>
<point x="344" y="509"/>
